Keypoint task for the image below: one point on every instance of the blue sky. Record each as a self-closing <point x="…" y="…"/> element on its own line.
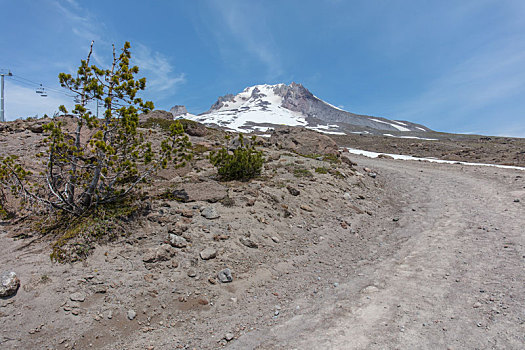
<point x="456" y="66"/>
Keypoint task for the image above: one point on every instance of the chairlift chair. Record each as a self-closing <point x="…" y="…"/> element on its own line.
<point x="40" y="89"/>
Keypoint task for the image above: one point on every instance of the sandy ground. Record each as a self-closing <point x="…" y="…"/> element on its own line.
<point x="454" y="281"/>
<point x="424" y="256"/>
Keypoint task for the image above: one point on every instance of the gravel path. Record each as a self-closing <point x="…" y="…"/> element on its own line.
<point x="455" y="280"/>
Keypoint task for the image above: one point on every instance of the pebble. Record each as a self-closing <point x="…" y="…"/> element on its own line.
<point x="372" y="175"/>
<point x="276" y="239"/>
<point x="178" y="241"/>
<point x="225" y="276"/>
<point x="248" y="242"/>
<point x="228" y="336"/>
<point x="516" y="200"/>
<point x="131" y="314"/>
<point x="306" y="208"/>
<point x="77" y="297"/>
<point x="293" y="191"/>
<point x="208" y="253"/>
<point x="476" y="305"/>
<point x="370" y="289"/>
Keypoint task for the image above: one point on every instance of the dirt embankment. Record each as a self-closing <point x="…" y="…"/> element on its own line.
<point x="321" y="254"/>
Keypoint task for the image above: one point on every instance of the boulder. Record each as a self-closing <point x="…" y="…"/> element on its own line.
<point x="9" y="284"/>
<point x="208" y="253"/>
<point x="194" y="128"/>
<point x="210" y="213"/>
<point x="304" y="141"/>
<point x="177" y="241"/>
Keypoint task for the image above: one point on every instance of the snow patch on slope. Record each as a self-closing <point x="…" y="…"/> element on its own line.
<point x="370" y="154"/>
<point x="400" y="128"/>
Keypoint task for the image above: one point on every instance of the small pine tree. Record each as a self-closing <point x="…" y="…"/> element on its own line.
<point x="104" y="159"/>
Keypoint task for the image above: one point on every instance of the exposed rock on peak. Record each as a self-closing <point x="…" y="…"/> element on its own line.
<point x="178" y="110"/>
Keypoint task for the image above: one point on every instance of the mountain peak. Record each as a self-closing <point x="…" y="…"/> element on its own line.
<point x="261" y="107"/>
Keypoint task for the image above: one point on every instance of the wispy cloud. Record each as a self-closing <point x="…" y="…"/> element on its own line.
<point x="245" y="23"/>
<point x="158" y="69"/>
<point x="84" y="24"/>
<point x="162" y="78"/>
<point x="22" y="102"/>
<point x="476" y="85"/>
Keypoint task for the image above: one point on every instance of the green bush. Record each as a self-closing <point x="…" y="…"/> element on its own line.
<point x="243" y="163"/>
<point x="302" y="172"/>
<point x="321" y="170"/>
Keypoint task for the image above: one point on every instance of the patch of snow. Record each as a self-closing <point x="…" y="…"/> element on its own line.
<point x="400" y="128"/>
<point x="324" y="131"/>
<point x="397" y="121"/>
<point x="417" y="127"/>
<point x="410" y="137"/>
<point x="433" y="160"/>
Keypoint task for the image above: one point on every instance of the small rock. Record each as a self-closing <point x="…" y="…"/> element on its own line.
<point x="208" y="253"/>
<point x="110" y="315"/>
<point x="516" y="200"/>
<point x="225" y="276"/>
<point x="228" y="336"/>
<point x="347" y="196"/>
<point x="177" y="241"/>
<point x="276" y="239"/>
<point x="476" y="305"/>
<point x="178" y="228"/>
<point x="306" y="208"/>
<point x="75" y="312"/>
<point x="248" y="242"/>
<point x="131" y="314"/>
<point x="210" y="213"/>
<point x="77" y="297"/>
<point x="9" y="284"/>
<point x="369" y="290"/>
<point x="192" y="273"/>
<point x="293" y="191"/>
<point x="162" y="253"/>
<point x="372" y="175"/>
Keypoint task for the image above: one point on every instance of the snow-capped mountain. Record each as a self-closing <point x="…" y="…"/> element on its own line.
<point x="261" y="107"/>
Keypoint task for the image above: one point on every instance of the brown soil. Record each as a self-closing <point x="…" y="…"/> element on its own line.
<point x="422" y="256"/>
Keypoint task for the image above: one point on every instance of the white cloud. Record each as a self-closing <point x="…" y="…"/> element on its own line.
<point x="158" y="70"/>
<point x="469" y="93"/>
<point x="22" y="102"/>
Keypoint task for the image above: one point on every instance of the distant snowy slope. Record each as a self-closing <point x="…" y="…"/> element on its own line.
<point x="260" y="107"/>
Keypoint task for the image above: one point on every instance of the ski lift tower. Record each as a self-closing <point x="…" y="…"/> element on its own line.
<point x="3" y="72"/>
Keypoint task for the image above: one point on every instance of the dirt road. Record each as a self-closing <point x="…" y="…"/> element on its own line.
<point x="453" y="276"/>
